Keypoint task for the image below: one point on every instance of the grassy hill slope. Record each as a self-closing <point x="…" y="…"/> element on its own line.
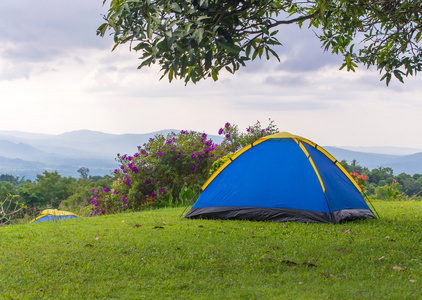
<point x="157" y="255"/>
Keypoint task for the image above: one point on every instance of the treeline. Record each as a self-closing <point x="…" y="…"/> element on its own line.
<point x="51" y="190"/>
<point x="382" y="184"/>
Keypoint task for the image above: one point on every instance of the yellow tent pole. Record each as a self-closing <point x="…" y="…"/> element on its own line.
<point x="410" y="199"/>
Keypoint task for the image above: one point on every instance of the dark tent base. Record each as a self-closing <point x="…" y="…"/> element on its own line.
<point x="277" y="214"/>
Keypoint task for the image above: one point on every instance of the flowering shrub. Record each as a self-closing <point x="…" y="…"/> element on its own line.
<point x="218" y="163"/>
<point x="102" y="202"/>
<point x="235" y="140"/>
<point x="360" y="179"/>
<point x="158" y="171"/>
<point x="166" y="170"/>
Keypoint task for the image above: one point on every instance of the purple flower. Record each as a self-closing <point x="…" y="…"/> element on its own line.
<point x="93" y="191"/>
<point x="227" y="125"/>
<point x="227" y="135"/>
<point x="103" y="212"/>
<point x="193" y="155"/>
<point x="169" y="141"/>
<point x="248" y="129"/>
<point x="136" y="155"/>
<point x="160" y="191"/>
<point x="124" y="198"/>
<point x="146" y="155"/>
<point x="204" y="135"/>
<point x="199" y="153"/>
<point x="116" y="171"/>
<point x="159" y="153"/>
<point x="105" y="190"/>
<point x="220" y="131"/>
<point x="193" y="167"/>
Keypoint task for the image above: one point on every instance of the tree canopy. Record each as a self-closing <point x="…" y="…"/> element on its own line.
<point x="196" y="39"/>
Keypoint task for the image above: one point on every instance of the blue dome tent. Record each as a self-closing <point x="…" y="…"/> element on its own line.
<point x="281" y="178"/>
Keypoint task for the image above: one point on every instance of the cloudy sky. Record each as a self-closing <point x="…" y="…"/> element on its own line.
<point x="57" y="76"/>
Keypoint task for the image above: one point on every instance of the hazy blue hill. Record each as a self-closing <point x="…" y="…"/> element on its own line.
<point x="24" y="135"/>
<point x="10" y="149"/>
<point x="383" y="150"/>
<point x="409" y="164"/>
<point x="369" y="160"/>
<point x="27" y="154"/>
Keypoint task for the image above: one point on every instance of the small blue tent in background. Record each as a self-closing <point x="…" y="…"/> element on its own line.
<point x="280" y="178"/>
<point x="54" y="214"/>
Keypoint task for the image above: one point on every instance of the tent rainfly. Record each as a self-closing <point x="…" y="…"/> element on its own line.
<point x="54" y="214"/>
<point x="281" y="177"/>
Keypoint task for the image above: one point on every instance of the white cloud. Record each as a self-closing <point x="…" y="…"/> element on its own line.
<point x="57" y="76"/>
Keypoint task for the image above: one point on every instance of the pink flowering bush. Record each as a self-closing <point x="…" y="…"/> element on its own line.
<point x="360" y="179"/>
<point x="158" y="171"/>
<point x="166" y="168"/>
<point x="235" y="140"/>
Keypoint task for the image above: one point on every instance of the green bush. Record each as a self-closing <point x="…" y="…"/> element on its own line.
<point x="166" y="167"/>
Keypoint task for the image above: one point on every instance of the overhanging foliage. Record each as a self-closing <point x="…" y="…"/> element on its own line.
<point x="196" y="39"/>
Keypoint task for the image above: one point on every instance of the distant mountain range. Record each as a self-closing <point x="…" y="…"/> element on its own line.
<point x="29" y="154"/>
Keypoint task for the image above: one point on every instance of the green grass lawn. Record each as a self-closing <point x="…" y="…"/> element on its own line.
<point x="157" y="255"/>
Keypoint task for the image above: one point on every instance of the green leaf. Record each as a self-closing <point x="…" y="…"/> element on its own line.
<point x="146" y="62"/>
<point x="149" y="29"/>
<point x="171" y="74"/>
<point x="322" y="8"/>
<point x="140" y="46"/>
<point x="115" y="46"/>
<point x="265" y="30"/>
<point x="202" y="18"/>
<point x="214" y="75"/>
<point x="255" y="54"/>
<point x="231" y="48"/>
<point x="176" y="7"/>
<point x="102" y="29"/>
<point x="248" y="50"/>
<point x="260" y="51"/>
<point x="418" y="37"/>
<point x="274" y="33"/>
<point x="208" y="60"/>
<point x="274" y="54"/>
<point x="199" y="34"/>
<point x="398" y="75"/>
